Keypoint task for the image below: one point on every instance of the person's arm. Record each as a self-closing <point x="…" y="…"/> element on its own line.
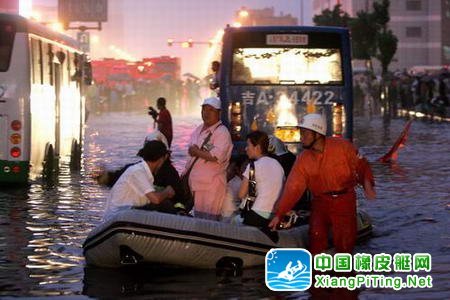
<point x="243" y="190"/>
<point x="158" y="197"/>
<point x="295" y="187"/>
<point x="195" y="151"/>
<point x="221" y="139"/>
<point x="365" y="176"/>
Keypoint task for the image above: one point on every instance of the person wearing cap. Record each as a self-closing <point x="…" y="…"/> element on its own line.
<point x="210" y="149"/>
<point x="279" y="151"/>
<point x="136" y="187"/>
<point x="110" y="177"/>
<point x="330" y="168"/>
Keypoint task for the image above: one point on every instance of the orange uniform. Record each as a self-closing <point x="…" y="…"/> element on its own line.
<point x="331" y="176"/>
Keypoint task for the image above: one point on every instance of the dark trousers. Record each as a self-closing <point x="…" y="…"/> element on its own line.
<point x="253" y="219"/>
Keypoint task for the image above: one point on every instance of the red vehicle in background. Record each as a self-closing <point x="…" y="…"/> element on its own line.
<point x="110" y="71"/>
<point x="122" y="84"/>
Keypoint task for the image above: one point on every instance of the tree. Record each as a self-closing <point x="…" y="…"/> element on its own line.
<point x="369" y="31"/>
<point x="387" y="46"/>
<point x="364" y="31"/>
<point x="386" y="41"/>
<point x="381" y="12"/>
<point x="335" y="17"/>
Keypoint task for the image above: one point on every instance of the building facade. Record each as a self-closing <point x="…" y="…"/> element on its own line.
<point x="265" y="16"/>
<point x="421" y="26"/>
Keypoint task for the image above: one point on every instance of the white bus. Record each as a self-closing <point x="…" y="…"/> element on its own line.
<point x="41" y="102"/>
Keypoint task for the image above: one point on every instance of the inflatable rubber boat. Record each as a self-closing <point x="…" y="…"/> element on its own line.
<point x="138" y="236"/>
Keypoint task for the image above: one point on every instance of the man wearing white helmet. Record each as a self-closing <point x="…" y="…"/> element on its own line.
<point x="330" y="168"/>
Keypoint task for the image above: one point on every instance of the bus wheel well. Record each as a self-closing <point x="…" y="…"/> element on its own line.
<point x="75" y="156"/>
<point x="49" y="161"/>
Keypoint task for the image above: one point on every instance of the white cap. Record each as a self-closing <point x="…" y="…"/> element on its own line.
<point x="276" y="146"/>
<point x="213" y="101"/>
<point x="157" y="136"/>
<point x="314" y="122"/>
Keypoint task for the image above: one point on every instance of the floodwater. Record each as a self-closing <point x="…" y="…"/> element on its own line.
<point x="43" y="226"/>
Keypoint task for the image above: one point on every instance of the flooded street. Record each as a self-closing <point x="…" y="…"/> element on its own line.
<point x="42" y="227"/>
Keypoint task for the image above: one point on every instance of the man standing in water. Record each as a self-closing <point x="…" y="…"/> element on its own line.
<point x="210" y="151"/>
<point x="330" y="168"/>
<point x="163" y="119"/>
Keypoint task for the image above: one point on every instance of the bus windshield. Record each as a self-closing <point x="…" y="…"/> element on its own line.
<point x="7" y="32"/>
<point x="284" y="66"/>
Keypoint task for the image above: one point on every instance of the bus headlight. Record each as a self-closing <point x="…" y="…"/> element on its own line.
<point x="288" y="134"/>
<point x="236" y="120"/>
<point x="338" y="119"/>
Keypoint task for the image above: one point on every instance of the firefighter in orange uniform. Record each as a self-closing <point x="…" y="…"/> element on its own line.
<point x="330" y="168"/>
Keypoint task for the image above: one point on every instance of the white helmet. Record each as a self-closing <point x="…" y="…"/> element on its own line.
<point x="314" y="122"/>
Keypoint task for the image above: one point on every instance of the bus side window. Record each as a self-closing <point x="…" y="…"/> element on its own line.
<point x="68" y="63"/>
<point x="87" y="71"/>
<point x="36" y="69"/>
<point x="51" y="56"/>
<point x="62" y="59"/>
<point x="47" y="63"/>
<point x="77" y="68"/>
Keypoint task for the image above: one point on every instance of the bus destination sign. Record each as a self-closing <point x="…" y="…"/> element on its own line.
<point x="83" y="10"/>
<point x="287" y="39"/>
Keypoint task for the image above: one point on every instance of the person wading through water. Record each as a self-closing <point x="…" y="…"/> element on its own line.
<point x="330" y="168"/>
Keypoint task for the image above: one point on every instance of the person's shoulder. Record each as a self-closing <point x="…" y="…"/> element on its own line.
<point x="166" y="112"/>
<point x="269" y="162"/>
<point x="222" y="130"/>
<point x="168" y="169"/>
<point x="136" y="168"/>
<point x="339" y="141"/>
<point x="341" y="144"/>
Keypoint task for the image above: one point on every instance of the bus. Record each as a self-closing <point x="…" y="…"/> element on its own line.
<point x="41" y="104"/>
<point x="271" y="76"/>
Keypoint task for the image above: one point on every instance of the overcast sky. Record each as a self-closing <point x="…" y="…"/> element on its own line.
<point x="142" y="27"/>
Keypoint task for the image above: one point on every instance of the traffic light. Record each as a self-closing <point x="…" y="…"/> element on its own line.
<point x="169" y="42"/>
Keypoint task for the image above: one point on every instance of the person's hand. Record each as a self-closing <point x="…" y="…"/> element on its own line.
<point x="193" y="150"/>
<point x="369" y="190"/>
<point x="169" y="191"/>
<point x="274" y="223"/>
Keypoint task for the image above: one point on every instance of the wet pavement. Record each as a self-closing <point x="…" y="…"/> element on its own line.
<point x="43" y="226"/>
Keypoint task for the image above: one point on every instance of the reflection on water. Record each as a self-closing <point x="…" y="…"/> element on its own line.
<point x="42" y="227"/>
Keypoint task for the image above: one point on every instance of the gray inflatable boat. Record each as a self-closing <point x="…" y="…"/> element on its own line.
<point x="138" y="236"/>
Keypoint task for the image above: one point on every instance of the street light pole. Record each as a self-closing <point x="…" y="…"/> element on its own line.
<point x="302" y="9"/>
<point x="189" y="43"/>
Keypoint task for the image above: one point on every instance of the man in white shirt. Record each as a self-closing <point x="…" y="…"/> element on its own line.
<point x="135" y="187"/>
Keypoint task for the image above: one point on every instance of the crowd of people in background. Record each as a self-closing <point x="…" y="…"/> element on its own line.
<point x="427" y="92"/>
<point x="123" y="95"/>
